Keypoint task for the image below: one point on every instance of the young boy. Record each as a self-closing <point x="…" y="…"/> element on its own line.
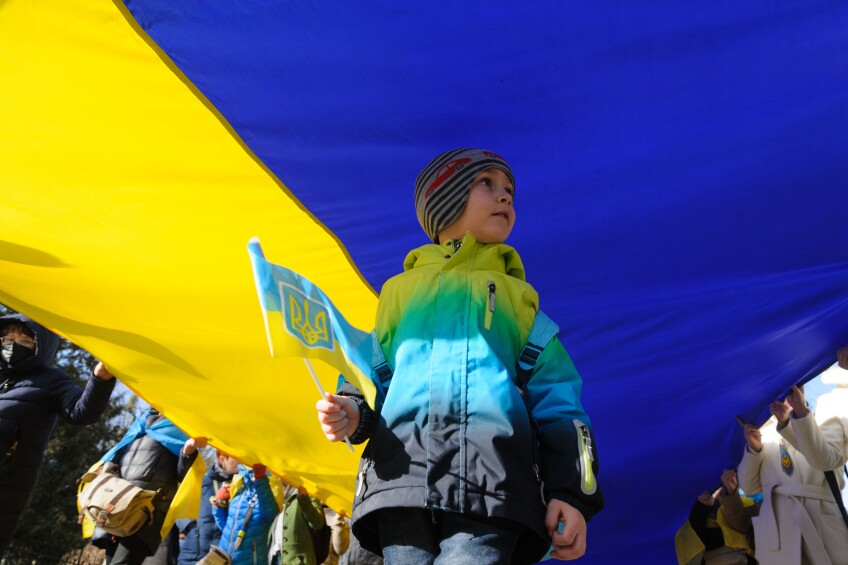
<point x="451" y="470"/>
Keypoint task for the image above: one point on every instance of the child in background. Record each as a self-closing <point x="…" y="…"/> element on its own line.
<point x="244" y="510"/>
<point x="452" y="470"/>
<point x="290" y="538"/>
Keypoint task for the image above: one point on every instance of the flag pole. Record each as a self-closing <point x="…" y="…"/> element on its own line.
<point x="323" y="394"/>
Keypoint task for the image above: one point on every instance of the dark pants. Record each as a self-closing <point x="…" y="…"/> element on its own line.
<point x="129" y="551"/>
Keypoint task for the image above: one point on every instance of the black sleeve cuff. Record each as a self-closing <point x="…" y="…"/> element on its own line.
<point x="367" y="420"/>
<point x="184" y="463"/>
<point x="587" y="509"/>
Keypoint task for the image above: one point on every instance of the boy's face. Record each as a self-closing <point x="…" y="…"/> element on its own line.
<point x="228" y="464"/>
<point x="488" y="214"/>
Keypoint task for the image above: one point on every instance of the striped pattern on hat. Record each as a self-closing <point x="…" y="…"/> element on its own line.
<point x="442" y="187"/>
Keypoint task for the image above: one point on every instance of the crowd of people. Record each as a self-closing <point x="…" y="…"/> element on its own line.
<point x="784" y="503"/>
<point x="237" y="507"/>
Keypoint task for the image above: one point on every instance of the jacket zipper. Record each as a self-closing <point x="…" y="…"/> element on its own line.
<point x="541" y="483"/>
<point x="491" y="309"/>
<point x="230" y="549"/>
<point x="360" y="488"/>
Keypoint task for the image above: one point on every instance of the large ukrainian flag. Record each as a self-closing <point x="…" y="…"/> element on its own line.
<point x="681" y="201"/>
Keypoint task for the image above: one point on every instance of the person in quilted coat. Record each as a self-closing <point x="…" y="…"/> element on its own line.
<point x="33" y="395"/>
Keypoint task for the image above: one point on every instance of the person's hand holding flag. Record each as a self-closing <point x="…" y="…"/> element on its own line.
<point x="339" y="416"/>
<point x="301" y="321"/>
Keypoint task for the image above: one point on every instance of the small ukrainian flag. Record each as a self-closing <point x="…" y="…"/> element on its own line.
<point x="301" y="321"/>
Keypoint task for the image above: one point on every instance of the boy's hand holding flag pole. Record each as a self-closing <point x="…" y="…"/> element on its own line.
<point x="301" y="321"/>
<point x="323" y="394"/>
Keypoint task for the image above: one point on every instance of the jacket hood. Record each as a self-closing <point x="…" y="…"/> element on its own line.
<point x="46" y="345"/>
<point x="489" y="256"/>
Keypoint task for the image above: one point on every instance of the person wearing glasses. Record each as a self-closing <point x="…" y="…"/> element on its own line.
<point x="33" y="394"/>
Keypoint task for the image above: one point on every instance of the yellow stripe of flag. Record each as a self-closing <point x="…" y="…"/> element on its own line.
<point x="126" y="205"/>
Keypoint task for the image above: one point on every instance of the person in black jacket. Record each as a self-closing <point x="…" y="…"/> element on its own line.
<point x="150" y="460"/>
<point x="32" y="396"/>
<point x="201" y="533"/>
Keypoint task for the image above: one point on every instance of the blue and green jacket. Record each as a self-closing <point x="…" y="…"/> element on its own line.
<point x="453" y="432"/>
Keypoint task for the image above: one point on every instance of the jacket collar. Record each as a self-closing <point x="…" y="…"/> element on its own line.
<point x="485" y="256"/>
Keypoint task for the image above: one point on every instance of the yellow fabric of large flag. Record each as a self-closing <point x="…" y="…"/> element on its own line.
<point x="127" y="201"/>
<point x="186" y="503"/>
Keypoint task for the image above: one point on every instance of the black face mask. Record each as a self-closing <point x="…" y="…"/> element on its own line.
<point x="14" y="353"/>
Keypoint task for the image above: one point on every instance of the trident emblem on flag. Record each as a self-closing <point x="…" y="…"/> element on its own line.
<point x="306" y="319"/>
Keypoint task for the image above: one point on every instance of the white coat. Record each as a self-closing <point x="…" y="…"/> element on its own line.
<point x="799" y="520"/>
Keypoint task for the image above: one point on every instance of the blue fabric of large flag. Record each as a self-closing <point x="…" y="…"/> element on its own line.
<point x="680" y="189"/>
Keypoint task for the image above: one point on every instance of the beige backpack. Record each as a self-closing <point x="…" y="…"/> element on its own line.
<point x="116" y="505"/>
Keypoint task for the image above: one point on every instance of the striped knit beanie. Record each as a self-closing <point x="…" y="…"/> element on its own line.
<point x="442" y="187"/>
